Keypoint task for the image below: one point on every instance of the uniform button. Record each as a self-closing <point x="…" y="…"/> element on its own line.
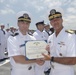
<point x="60" y="54"/>
<point x="30" y="68"/>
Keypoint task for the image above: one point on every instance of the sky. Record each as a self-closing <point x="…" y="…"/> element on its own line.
<point x="38" y="11"/>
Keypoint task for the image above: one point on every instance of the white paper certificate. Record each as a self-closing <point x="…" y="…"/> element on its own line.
<point x="34" y="49"/>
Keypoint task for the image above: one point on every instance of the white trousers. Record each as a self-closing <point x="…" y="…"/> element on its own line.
<point x="39" y="70"/>
<point x="62" y="71"/>
<point x="22" y="71"/>
<point x="2" y="50"/>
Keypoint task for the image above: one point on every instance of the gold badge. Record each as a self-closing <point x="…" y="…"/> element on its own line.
<point x="52" y="12"/>
<point x="25" y="15"/>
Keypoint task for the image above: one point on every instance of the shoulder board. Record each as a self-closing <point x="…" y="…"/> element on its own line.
<point x="70" y="31"/>
<point x="15" y="34"/>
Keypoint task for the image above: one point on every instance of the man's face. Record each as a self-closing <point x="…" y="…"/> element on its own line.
<point x="47" y="27"/>
<point x="56" y="23"/>
<point x="11" y="28"/>
<point x="23" y="25"/>
<point x="40" y="27"/>
<point x="2" y="27"/>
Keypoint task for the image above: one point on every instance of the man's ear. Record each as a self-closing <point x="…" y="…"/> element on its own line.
<point x="18" y="24"/>
<point x="62" y="20"/>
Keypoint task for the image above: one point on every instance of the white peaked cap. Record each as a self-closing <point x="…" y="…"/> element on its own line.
<point x="1" y="24"/>
<point x="46" y="24"/>
<point x="19" y="14"/>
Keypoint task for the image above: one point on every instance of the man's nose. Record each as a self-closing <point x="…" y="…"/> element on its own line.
<point x="55" y="19"/>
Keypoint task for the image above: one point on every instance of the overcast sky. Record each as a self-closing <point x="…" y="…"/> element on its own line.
<point x="39" y="10"/>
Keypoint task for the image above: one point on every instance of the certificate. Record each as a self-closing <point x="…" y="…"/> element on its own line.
<point x="34" y="49"/>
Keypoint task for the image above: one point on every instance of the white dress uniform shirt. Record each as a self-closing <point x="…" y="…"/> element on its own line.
<point x="40" y="35"/>
<point x="16" y="46"/>
<point x="39" y="70"/>
<point x="47" y="35"/>
<point x="1" y="52"/>
<point x="62" y="46"/>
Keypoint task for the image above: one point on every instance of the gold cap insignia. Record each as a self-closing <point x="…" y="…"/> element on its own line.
<point x="25" y="15"/>
<point x="52" y="12"/>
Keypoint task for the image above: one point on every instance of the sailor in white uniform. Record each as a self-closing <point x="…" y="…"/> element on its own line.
<point x="62" y="44"/>
<point x="48" y="29"/>
<point x="16" y="48"/>
<point x="39" y="34"/>
<point x="1" y="51"/>
<point x="3" y="42"/>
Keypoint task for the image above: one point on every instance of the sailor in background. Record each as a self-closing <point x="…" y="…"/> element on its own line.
<point x="3" y="42"/>
<point x="48" y="29"/>
<point x="39" y="34"/>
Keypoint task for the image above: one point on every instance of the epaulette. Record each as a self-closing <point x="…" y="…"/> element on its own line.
<point x="70" y="31"/>
<point x="15" y="34"/>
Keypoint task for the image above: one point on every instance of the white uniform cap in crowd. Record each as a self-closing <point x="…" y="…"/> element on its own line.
<point x="11" y="26"/>
<point x="1" y="24"/>
<point x="46" y="24"/>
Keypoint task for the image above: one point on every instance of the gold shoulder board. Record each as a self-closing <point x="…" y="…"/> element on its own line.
<point x="70" y="31"/>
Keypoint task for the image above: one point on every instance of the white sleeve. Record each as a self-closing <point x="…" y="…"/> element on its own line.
<point x="75" y="43"/>
<point x="36" y="35"/>
<point x="0" y="37"/>
<point x="12" y="46"/>
<point x="72" y="47"/>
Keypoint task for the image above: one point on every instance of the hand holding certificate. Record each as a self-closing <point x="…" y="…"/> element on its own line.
<point x="34" y="49"/>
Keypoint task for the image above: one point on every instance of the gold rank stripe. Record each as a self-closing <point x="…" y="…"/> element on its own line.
<point x="70" y="31"/>
<point x="54" y="16"/>
<point x="24" y="19"/>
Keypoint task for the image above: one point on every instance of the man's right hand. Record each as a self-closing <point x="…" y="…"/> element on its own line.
<point x="46" y="57"/>
<point x="48" y="48"/>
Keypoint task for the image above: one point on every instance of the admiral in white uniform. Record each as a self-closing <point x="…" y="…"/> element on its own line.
<point x="62" y="44"/>
<point x="16" y="48"/>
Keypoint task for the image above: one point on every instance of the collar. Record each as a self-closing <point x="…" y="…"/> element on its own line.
<point x="39" y="31"/>
<point x="62" y="32"/>
<point x="22" y="34"/>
